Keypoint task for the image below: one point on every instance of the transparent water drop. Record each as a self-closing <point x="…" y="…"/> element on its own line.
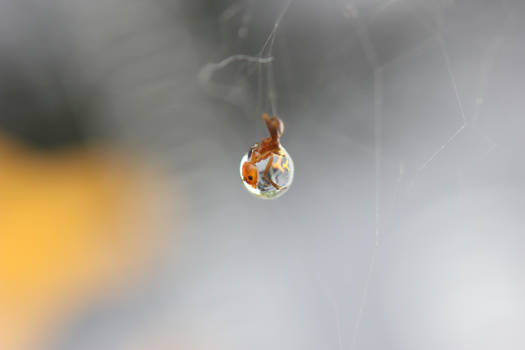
<point x="273" y="183"/>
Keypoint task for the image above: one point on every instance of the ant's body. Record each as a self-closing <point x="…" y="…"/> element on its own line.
<point x="268" y="148"/>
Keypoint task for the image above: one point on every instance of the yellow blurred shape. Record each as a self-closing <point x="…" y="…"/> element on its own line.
<point x="70" y="229"/>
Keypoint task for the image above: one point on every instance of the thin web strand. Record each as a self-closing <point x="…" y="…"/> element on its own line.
<point x="370" y="53"/>
<point x="335" y="307"/>
<point x="378" y="145"/>
<point x="272" y="93"/>
<point x="448" y="142"/>
<point x="446" y="58"/>
<point x="267" y="50"/>
<point x="275" y="27"/>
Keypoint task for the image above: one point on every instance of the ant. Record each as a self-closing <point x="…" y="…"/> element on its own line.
<point x="267" y="148"/>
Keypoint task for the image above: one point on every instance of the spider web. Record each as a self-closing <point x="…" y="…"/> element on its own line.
<point x="266" y="91"/>
<point x="318" y="269"/>
<point x="465" y="123"/>
<point x="267" y="98"/>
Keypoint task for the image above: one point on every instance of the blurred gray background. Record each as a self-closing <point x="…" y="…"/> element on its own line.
<point x="404" y="228"/>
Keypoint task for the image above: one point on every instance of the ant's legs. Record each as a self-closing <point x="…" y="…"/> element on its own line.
<point x="267" y="177"/>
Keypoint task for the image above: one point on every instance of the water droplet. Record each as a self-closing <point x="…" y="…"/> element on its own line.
<point x="271" y="183"/>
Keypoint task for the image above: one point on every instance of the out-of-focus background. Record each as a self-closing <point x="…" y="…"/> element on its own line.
<point x="123" y="221"/>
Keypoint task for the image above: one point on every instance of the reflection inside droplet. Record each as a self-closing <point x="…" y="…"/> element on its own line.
<point x="271" y="177"/>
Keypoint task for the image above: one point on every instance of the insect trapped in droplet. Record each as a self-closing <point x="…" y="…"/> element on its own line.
<point x="267" y="169"/>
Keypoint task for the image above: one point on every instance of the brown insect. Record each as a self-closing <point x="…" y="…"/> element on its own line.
<point x="267" y="148"/>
